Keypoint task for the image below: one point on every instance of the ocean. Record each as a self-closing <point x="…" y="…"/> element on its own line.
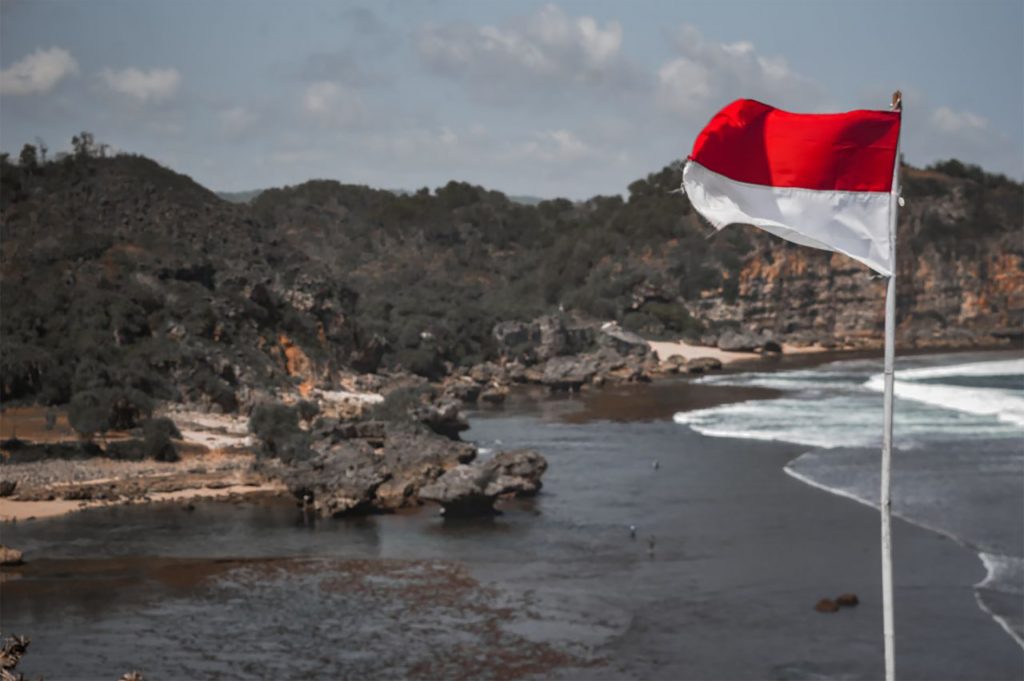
<point x="958" y="468"/>
<point x="730" y="551"/>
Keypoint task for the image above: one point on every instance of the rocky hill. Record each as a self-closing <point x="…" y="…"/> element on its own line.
<point x="120" y="275"/>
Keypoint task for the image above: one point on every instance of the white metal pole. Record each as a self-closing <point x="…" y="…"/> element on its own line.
<point x="885" y="498"/>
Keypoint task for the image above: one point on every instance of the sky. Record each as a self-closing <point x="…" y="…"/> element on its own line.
<point x="543" y="99"/>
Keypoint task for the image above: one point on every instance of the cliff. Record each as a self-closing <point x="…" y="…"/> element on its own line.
<point x="960" y="276"/>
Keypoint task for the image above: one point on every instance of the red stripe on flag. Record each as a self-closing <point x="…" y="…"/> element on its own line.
<point x="752" y="142"/>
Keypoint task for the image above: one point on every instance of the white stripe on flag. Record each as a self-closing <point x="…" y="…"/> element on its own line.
<point x="853" y="223"/>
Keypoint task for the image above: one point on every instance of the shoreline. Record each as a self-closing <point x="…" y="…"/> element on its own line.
<point x="981" y="555"/>
<point x="19" y="510"/>
<point x="210" y="437"/>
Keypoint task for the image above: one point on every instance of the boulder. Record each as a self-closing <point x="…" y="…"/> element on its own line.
<point x="329" y="431"/>
<point x="568" y="373"/>
<point x="511" y="335"/>
<point x="518" y="471"/>
<point x="7" y="487"/>
<point x="554" y="338"/>
<point x="468" y="490"/>
<point x="545" y="337"/>
<point x="343" y="478"/>
<point x="9" y="556"/>
<point x="444" y="417"/>
<point x="496" y="394"/>
<point x="740" y="341"/>
<point x="463" y="388"/>
<point x="461" y="491"/>
<point x="699" y="365"/>
<point x="674" y="364"/>
<point x="622" y="341"/>
<point x="486" y="372"/>
<point x="414" y="460"/>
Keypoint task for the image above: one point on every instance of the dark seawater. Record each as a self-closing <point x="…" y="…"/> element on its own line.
<point x="959" y="464"/>
<point x="554" y="587"/>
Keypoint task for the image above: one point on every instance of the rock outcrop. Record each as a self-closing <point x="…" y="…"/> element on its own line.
<point x="472" y="489"/>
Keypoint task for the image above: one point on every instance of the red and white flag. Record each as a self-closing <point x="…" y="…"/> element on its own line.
<point x="821" y="180"/>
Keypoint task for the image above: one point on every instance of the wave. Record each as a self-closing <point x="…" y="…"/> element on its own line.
<point x="1005" y="405"/>
<point x="1007" y="367"/>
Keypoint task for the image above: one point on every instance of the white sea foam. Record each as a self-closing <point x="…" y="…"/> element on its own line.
<point x="1006" y="405"/>
<point x="1005" y="573"/>
<point x="1008" y="367"/>
<point x="839" y="405"/>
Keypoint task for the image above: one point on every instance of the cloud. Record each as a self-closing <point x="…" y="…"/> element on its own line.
<point x="946" y="120"/>
<point x="144" y="86"/>
<point x="556" y="146"/>
<point x="333" y="104"/>
<point x="549" y="51"/>
<point x="705" y="75"/>
<point x="38" y="72"/>
<point x="340" y="66"/>
<point x="236" y="120"/>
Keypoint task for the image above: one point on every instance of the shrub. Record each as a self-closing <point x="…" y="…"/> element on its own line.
<point x="156" y="439"/>
<point x="103" y="409"/>
<point x="276" y="425"/>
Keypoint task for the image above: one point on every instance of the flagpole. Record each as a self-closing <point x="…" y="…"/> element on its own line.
<point x="885" y="497"/>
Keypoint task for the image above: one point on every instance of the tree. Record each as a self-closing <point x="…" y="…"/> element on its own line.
<point x="28" y="158"/>
<point x="41" y="144"/>
<point x="83" y="144"/>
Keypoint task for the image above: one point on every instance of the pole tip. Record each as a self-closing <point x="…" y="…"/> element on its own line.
<point x="897" y="101"/>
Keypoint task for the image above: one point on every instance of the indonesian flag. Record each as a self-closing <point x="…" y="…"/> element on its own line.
<point x="821" y="180"/>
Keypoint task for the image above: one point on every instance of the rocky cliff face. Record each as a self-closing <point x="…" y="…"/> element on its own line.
<point x="960" y="276"/>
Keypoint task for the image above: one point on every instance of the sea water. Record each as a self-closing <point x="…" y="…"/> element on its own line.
<point x="958" y="468"/>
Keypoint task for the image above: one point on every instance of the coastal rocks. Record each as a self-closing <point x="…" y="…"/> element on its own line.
<point x="462" y="492"/>
<point x="543" y="338"/>
<point x="9" y="556"/>
<point x="469" y="490"/>
<point x="462" y="388"/>
<point x="741" y="341"/>
<point x="568" y="373"/>
<point x="7" y="487"/>
<point x="351" y="475"/>
<point x="331" y="431"/>
<point x="12" y="650"/>
<point x="622" y="341"/>
<point x="700" y="365"/>
<point x="520" y="470"/>
<point x="340" y="480"/>
<point x="414" y="460"/>
<point x="444" y="417"/>
<point x="673" y="364"/>
<point x="494" y="395"/>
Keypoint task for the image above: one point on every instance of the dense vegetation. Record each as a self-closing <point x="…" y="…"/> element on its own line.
<point x="124" y="282"/>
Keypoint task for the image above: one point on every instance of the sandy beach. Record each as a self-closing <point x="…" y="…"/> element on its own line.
<point x="688" y="351"/>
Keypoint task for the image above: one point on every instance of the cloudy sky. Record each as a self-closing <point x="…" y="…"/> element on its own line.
<point x="546" y="99"/>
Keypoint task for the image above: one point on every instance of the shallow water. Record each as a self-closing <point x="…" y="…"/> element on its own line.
<point x="553" y="587"/>
<point x="959" y="466"/>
